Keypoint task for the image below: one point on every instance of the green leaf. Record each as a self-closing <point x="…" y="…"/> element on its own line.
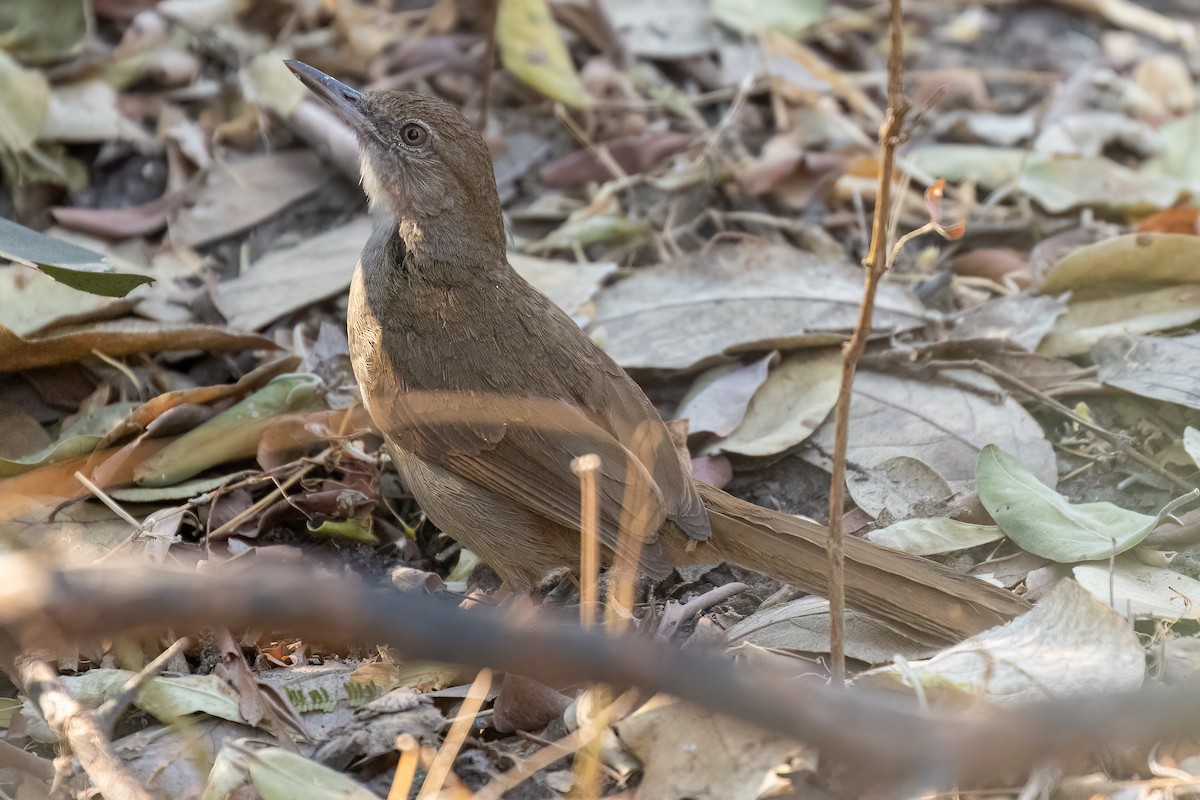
<point x="234" y="433"/>
<point x="67" y="263"/>
<point x="44" y="31"/>
<point x="532" y="48"/>
<point x="280" y="775"/>
<point x="789" y="17"/>
<point x="1042" y="522"/>
<point x="1179" y="157"/>
<point x="77" y="439"/>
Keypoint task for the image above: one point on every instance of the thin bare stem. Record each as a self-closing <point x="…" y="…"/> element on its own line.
<point x="587" y="467"/>
<point x="111" y="710"/>
<point x="406" y="767"/>
<point x="442" y="764"/>
<point x="876" y="265"/>
<point x="489" y="60"/>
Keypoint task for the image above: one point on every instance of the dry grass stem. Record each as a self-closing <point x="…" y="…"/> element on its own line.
<point x="444" y="761"/>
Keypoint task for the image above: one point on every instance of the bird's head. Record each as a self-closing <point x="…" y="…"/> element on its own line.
<point x="420" y="159"/>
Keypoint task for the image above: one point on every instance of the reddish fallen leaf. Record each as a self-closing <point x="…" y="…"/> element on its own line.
<point x="120" y="223"/>
<point x="716" y="471"/>
<point x="1182" y="219"/>
<point x="633" y="154"/>
<point x="526" y="705"/>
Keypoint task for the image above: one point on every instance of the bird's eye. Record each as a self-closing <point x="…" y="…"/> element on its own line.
<point x="414" y="135"/>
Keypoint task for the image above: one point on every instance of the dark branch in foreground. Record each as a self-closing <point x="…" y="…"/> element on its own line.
<point x="881" y="731"/>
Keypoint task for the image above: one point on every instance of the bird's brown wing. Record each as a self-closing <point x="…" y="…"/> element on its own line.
<point x="521" y="448"/>
<point x="623" y="408"/>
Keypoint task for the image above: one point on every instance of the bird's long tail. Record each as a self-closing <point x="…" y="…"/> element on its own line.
<point x="920" y="598"/>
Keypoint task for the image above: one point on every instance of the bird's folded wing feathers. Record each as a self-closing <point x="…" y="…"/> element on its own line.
<point x="521" y="448"/>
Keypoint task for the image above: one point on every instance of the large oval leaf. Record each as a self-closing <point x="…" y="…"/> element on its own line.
<point x="1042" y="522"/>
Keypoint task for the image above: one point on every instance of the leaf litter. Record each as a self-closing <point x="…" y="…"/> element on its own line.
<point x="700" y="208"/>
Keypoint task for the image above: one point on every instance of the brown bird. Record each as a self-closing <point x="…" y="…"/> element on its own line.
<point x="485" y="392"/>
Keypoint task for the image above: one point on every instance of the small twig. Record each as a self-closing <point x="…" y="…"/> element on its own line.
<point x="696" y="605"/>
<point x="14" y="757"/>
<point x="587" y="467"/>
<point x="75" y="726"/>
<point x="271" y="496"/>
<point x="489" y="60"/>
<point x="406" y="767"/>
<point x="599" y="151"/>
<point x="852" y="351"/>
<point x="103" y="497"/>
<point x="444" y="761"/>
<point x="112" y="709"/>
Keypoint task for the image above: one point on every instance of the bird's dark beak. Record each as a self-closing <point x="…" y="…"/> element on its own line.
<point x="345" y="100"/>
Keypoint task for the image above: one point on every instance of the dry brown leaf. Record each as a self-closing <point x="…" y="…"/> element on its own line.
<point x="235" y="196"/>
<point x="118" y="338"/>
<point x="634" y="154"/>
<point x="119" y="223"/>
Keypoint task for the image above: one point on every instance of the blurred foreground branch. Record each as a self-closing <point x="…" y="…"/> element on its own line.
<point x="883" y="732"/>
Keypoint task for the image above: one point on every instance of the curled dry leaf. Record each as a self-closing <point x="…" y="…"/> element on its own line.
<point x="1069" y="644"/>
<point x="117" y="338"/>
<point x="231" y="435"/>
<point x="795" y="399"/>
<point x="120" y="223"/>
<point x="1088" y="322"/>
<point x="1138" y="259"/>
<point x="277" y="774"/>
<point x="931" y="537"/>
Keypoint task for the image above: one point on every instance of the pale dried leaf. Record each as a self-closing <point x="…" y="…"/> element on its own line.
<point x="238" y="195"/>
<point x="732" y="299"/>
<point x="793" y="402"/>
<point x="942" y="425"/>
<point x="803" y="626"/>
<point x="1069" y="644"/>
